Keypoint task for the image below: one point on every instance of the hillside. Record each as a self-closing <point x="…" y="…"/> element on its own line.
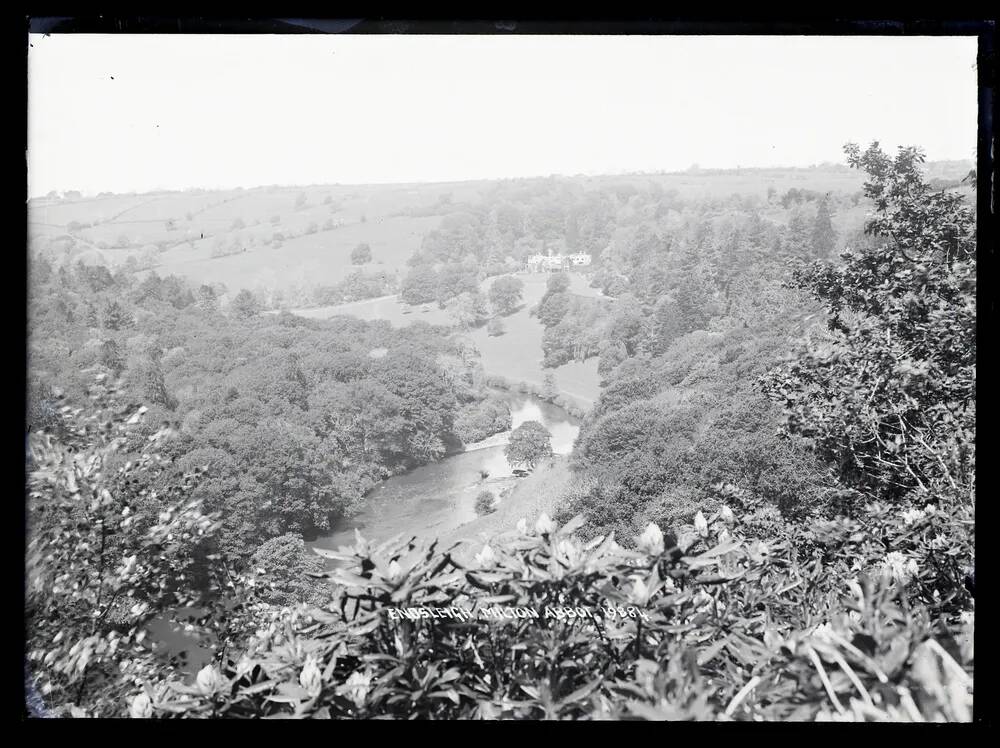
<point x="229" y="236"/>
<point x="515" y="356"/>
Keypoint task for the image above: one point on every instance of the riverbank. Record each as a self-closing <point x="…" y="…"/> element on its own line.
<point x="437" y="499"/>
<point x="576" y="405"/>
<point x="526" y="498"/>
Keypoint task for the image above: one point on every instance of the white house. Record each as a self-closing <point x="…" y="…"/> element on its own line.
<point x="538" y="262"/>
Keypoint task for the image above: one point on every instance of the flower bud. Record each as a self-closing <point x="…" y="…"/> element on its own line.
<point x="395" y="571"/>
<point x="544" y="525"/>
<point x="651" y="540"/>
<point x="141" y="707"/>
<point x="356" y="688"/>
<point x="640" y="592"/>
<point x="701" y="524"/>
<point x="310" y="678"/>
<point x="208" y="680"/>
<point x="486" y="559"/>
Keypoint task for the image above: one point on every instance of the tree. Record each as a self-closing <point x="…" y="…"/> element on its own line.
<point x="549" y="388"/>
<point x="362" y="416"/>
<point x="115" y="317"/>
<point x="282" y="565"/>
<point x="207" y="298"/>
<point x="174" y="291"/>
<point x="420" y="285"/>
<point x="485" y="503"/>
<point x="495" y="327"/>
<point x="455" y="279"/>
<point x="112" y="356"/>
<point x="510" y="220"/>
<point x="627" y="323"/>
<point x="666" y="326"/>
<point x="505" y="294"/>
<point x="695" y="298"/>
<point x="469" y="309"/>
<point x="552" y="308"/>
<point x="612" y="353"/>
<point x="799" y="232"/>
<point x="530" y="443"/>
<point x="105" y="558"/>
<point x="145" y="378"/>
<point x="361" y="254"/>
<point x="889" y="397"/>
<point x="245" y="305"/>
<point x="824" y="236"/>
<point x="478" y="421"/>
<point x="557" y="283"/>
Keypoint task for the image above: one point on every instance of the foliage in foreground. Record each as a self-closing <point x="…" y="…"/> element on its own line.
<point x="817" y="624"/>
<point x="106" y="556"/>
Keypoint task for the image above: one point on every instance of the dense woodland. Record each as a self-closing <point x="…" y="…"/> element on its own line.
<point x="294" y="419"/>
<point x="779" y="471"/>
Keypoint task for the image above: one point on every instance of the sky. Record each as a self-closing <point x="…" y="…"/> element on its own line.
<point x="124" y="113"/>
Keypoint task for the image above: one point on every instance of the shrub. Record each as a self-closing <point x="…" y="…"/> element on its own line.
<point x="477" y="421"/>
<point x="485" y="503"/>
<point x="495" y="327"/>
<point x="361" y="254"/>
<point x="710" y="626"/>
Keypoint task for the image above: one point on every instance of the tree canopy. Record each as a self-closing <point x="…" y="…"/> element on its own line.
<point x="530" y="443"/>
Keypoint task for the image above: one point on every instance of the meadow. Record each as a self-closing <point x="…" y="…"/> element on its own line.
<point x="516" y="355"/>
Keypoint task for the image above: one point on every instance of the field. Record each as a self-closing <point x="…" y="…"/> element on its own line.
<point x="243" y="222"/>
<point x="516" y="355"/>
<point x="320" y="258"/>
<point x="717" y="183"/>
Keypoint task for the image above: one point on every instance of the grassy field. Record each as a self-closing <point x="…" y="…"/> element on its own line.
<point x="320" y="258"/>
<point x="516" y="355"/>
<point x="116" y="227"/>
<point x="723" y="183"/>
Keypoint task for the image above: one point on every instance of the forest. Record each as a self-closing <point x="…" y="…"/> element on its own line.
<point x="779" y="470"/>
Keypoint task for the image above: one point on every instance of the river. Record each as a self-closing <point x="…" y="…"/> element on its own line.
<point x="437" y="498"/>
<point x="432" y="499"/>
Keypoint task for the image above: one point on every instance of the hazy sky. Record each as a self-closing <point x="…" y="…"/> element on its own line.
<point x="127" y="113"/>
